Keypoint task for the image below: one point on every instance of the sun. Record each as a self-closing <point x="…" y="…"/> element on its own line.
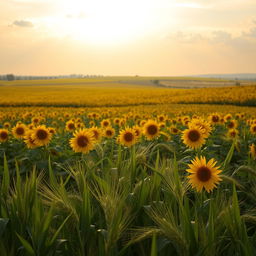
<point x="104" y="22"/>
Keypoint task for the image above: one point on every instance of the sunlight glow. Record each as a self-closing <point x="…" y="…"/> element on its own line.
<point x="104" y="22"/>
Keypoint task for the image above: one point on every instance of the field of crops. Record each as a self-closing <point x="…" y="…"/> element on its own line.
<point x="116" y="92"/>
<point x="122" y="170"/>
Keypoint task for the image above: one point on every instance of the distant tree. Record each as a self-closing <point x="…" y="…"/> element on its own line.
<point x="10" y="77"/>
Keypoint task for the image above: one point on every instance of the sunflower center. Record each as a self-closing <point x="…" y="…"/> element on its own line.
<point x="215" y="119"/>
<point x="105" y="123"/>
<point x="109" y="133"/>
<point x="82" y="141"/>
<point x="71" y="126"/>
<point x="194" y="135"/>
<point x="128" y="137"/>
<point x="20" y="131"/>
<point x="204" y="174"/>
<point x="233" y="134"/>
<point x="42" y="134"/>
<point x="175" y="130"/>
<point x="3" y="135"/>
<point x="231" y="125"/>
<point x="254" y="128"/>
<point x="152" y="129"/>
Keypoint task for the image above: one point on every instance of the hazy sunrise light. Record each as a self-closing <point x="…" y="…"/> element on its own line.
<point x="121" y="37"/>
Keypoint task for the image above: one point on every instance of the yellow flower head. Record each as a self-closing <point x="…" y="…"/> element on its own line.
<point x="29" y="141"/>
<point x="3" y="135"/>
<point x="253" y="151"/>
<point x="97" y="133"/>
<point x="151" y="129"/>
<point x="193" y="137"/>
<point x="19" y="130"/>
<point x="83" y="141"/>
<point x="127" y="137"/>
<point x="253" y="129"/>
<point x="203" y="174"/>
<point x="109" y="132"/>
<point x="41" y="135"/>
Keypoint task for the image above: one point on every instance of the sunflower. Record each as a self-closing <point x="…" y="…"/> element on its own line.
<point x="253" y="129"/>
<point x="161" y="118"/>
<point x="105" y="123"/>
<point x="7" y="125"/>
<point x="227" y="117"/>
<point x="36" y="120"/>
<point x="151" y="129"/>
<point x="52" y="130"/>
<point x="174" y="130"/>
<point x="117" y="121"/>
<point x="19" y="130"/>
<point x="97" y="133"/>
<point x="83" y="141"/>
<point x="109" y="132"/>
<point x="29" y="141"/>
<point x="127" y="137"/>
<point x="253" y="151"/>
<point x="79" y="125"/>
<point x="70" y="126"/>
<point x="41" y="135"/>
<point x="232" y="124"/>
<point x="137" y="130"/>
<point x="232" y="133"/>
<point x="203" y="125"/>
<point x="203" y="174"/>
<point x="193" y="137"/>
<point x="214" y="118"/>
<point x="3" y="135"/>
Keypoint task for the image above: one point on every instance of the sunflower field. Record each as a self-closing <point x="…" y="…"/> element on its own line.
<point x="148" y="176"/>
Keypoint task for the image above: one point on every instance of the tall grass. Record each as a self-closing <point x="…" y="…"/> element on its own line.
<point x="126" y="202"/>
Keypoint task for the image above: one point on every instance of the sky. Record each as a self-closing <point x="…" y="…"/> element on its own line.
<point x="127" y="37"/>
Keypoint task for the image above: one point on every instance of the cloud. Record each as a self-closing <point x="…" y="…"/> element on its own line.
<point x="251" y="33"/>
<point x="221" y="36"/>
<point x="23" y="23"/>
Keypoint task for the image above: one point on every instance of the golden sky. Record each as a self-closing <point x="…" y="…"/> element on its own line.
<point x="127" y="37"/>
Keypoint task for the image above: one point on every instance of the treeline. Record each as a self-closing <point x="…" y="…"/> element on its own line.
<point x="11" y="77"/>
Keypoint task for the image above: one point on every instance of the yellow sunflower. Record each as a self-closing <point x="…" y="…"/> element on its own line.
<point x="109" y="132"/>
<point x="127" y="137"/>
<point x="151" y="129"/>
<point x="214" y="118"/>
<point x="193" y="137"/>
<point x="232" y="133"/>
<point x="203" y="174"/>
<point x="174" y="130"/>
<point x="19" y="130"/>
<point x="253" y="129"/>
<point x="232" y="124"/>
<point x="7" y="125"/>
<point x="105" y="123"/>
<point x="41" y="135"/>
<point x="83" y="141"/>
<point x="3" y="135"/>
<point x="70" y="126"/>
<point x="29" y="141"/>
<point x="203" y="125"/>
<point x="97" y="133"/>
<point x="253" y="151"/>
<point x="137" y="130"/>
<point x="227" y="117"/>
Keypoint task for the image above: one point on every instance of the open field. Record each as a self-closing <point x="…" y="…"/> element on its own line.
<point x="101" y="92"/>
<point x="120" y="169"/>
